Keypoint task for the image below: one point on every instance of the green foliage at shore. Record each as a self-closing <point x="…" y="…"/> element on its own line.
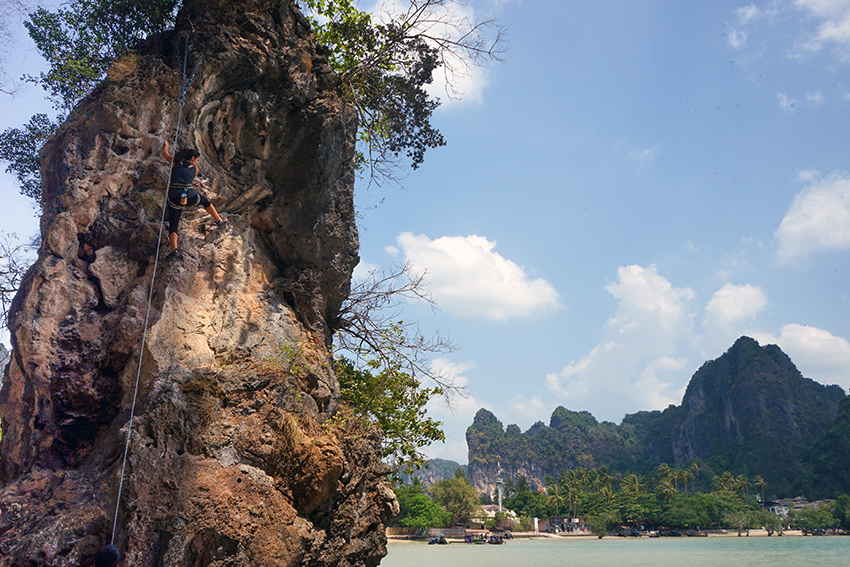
<point x="663" y="498"/>
<point x="457" y="496"/>
<point x="666" y="497"/>
<point x="417" y="510"/>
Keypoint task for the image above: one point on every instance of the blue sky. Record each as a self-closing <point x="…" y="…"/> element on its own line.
<point x="634" y="187"/>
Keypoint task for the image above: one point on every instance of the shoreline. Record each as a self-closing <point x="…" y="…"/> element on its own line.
<point x="760" y="532"/>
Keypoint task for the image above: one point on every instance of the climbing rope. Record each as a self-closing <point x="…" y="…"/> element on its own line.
<point x="184" y="86"/>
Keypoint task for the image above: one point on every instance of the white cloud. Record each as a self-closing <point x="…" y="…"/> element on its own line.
<point x="818" y="354"/>
<point x="363" y="270"/>
<point x="733" y="304"/>
<point x="747" y="13"/>
<point x="834" y="27"/>
<point x="737" y="39"/>
<point x="634" y="366"/>
<point x="785" y="102"/>
<point x="651" y="311"/>
<point x="468" y="278"/>
<point x="461" y="404"/>
<point x="725" y="316"/>
<point x="819" y="218"/>
<point x="528" y="409"/>
<point x="646" y="156"/>
<point x="642" y="156"/>
<point x="815" y="98"/>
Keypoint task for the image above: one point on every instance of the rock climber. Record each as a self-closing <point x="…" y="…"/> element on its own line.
<point x="107" y="557"/>
<point x="181" y="193"/>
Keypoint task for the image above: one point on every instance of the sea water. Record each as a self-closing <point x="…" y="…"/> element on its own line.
<point x="786" y="551"/>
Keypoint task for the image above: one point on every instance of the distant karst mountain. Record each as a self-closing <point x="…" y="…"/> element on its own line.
<point x="435" y="471"/>
<point x="749" y="412"/>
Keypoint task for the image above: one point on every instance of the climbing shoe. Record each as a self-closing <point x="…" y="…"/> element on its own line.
<point x="221" y="222"/>
<point x="174" y="255"/>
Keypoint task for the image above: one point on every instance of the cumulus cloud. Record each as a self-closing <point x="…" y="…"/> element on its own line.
<point x="819" y="218"/>
<point x="469" y="278"/>
<point x="733" y="304"/>
<point x="725" y="316"/>
<point x="818" y="354"/>
<point x="650" y="348"/>
<point x="634" y="366"/>
<point x="651" y="312"/>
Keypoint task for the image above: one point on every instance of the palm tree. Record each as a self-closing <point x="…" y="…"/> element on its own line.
<point x="607" y="495"/>
<point x="555" y="498"/>
<point x="573" y="499"/>
<point x="687" y="476"/>
<point x="662" y="471"/>
<point x="694" y="470"/>
<point x="743" y="484"/>
<point x="631" y="484"/>
<point x="666" y="490"/>
<point x="760" y="483"/>
<point x="604" y="478"/>
<point x="723" y="482"/>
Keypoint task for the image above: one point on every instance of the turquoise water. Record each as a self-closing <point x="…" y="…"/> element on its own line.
<point x="733" y="551"/>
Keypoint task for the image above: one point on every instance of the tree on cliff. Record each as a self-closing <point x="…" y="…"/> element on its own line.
<point x="79" y="41"/>
<point x="370" y="324"/>
<point x="395" y="402"/>
<point x="393" y="360"/>
<point x="384" y="64"/>
<point x="386" y="60"/>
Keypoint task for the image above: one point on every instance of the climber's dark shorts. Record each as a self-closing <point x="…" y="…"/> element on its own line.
<point x="175" y="209"/>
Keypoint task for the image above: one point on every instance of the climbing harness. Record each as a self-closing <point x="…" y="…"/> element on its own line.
<point x="184" y="86"/>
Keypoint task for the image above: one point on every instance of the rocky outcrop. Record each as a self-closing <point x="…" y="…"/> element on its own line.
<point x="750" y="409"/>
<point x="572" y="439"/>
<point x="749" y="412"/>
<point x="232" y="458"/>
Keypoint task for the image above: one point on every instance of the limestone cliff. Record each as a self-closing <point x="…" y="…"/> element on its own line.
<point x="232" y="459"/>
<point x="750" y="412"/>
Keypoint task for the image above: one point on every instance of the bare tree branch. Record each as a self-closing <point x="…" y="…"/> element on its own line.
<point x="372" y="328"/>
<point x="15" y="259"/>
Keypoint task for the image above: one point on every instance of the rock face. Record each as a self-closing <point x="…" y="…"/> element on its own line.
<point x="571" y="440"/>
<point x="751" y="410"/>
<point x="232" y="458"/>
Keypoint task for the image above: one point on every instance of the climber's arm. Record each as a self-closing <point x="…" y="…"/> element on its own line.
<point x="168" y="157"/>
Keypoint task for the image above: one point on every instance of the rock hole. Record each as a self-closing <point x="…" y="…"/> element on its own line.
<point x="120" y="150"/>
<point x="289" y="298"/>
